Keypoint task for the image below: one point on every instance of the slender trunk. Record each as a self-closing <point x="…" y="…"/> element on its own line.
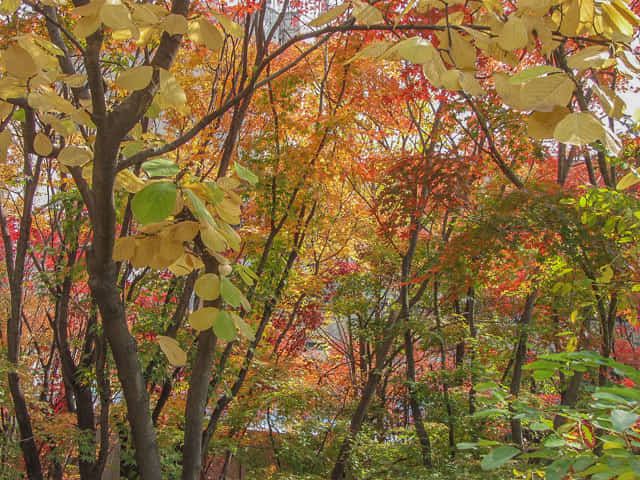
<point x="423" y="436"/>
<point x="473" y="333"/>
<point x="519" y="360"/>
<point x="15" y="270"/>
<point x="445" y="383"/>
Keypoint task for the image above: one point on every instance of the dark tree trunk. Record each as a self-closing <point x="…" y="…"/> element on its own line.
<point x="416" y="413"/>
<point x="519" y="360"/>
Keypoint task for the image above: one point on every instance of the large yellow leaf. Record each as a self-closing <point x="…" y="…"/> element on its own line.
<point x="18" y="62"/>
<point x="230" y="235"/>
<point x="42" y="145"/>
<point x="175" y="24"/>
<point x="5" y="142"/>
<point x="629" y="180"/>
<point x="171" y="89"/>
<point x="48" y="101"/>
<point x="434" y="70"/>
<point x="366" y="14"/>
<point x="569" y="17"/>
<point x="135" y="78"/>
<point x="462" y="52"/>
<point x="74" y="156"/>
<point x="205" y="33"/>
<point x="374" y="50"/>
<point x="207" y="287"/>
<point x="536" y="6"/>
<point x="87" y="26"/>
<point x="128" y="181"/>
<point x="203" y="318"/>
<point x="117" y="17"/>
<point x="469" y="84"/>
<point x="611" y="103"/>
<point x="579" y="129"/>
<point x="185" y="265"/>
<point x="176" y="356"/>
<point x="213" y="239"/>
<point x="542" y="124"/>
<point x="589" y="57"/>
<point x="415" y="50"/>
<point x="182" y="231"/>
<point x="329" y="15"/>
<point x="124" y="248"/>
<point x="542" y="93"/>
<point x="231" y="27"/>
<point x="514" y="34"/>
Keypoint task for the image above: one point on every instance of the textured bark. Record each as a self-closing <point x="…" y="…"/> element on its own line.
<point x="416" y="413"/>
<point x="519" y="360"/>
<point x="15" y="262"/>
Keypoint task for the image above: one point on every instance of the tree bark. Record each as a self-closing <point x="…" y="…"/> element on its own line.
<point x="416" y="413"/>
<point x="519" y="360"/>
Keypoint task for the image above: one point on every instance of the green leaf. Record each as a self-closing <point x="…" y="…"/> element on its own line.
<point x="155" y="202"/>
<point x="623" y="420"/>
<point x="200" y="209"/>
<point x="245" y="329"/>
<point x="531" y="73"/>
<point x="245" y="174"/>
<point x="232" y="294"/>
<point x="466" y="446"/>
<point x="160" y="167"/>
<point x="558" y="469"/>
<point x="539" y="427"/>
<point x="498" y="457"/>
<point x="224" y="327"/>
<point x="583" y="462"/>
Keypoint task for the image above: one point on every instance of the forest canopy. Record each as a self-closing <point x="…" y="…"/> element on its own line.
<point x="310" y="239"/>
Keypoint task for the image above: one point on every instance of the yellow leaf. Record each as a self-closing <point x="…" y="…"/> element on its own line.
<point x="329" y="15"/>
<point x="42" y="145"/>
<point x="124" y="249"/>
<point x="611" y="103"/>
<point x="617" y="19"/>
<point x="514" y="34"/>
<point x="182" y="231"/>
<point x="231" y="236"/>
<point x="450" y="80"/>
<point x="629" y="180"/>
<point x="175" y="24"/>
<point x="9" y="6"/>
<point x="578" y="129"/>
<point x="127" y="180"/>
<point x="5" y="110"/>
<point x="434" y="70"/>
<point x="415" y="50"/>
<point x="167" y="252"/>
<point x="569" y="17"/>
<point x="203" y="318"/>
<point x="536" y="6"/>
<point x="176" y="356"/>
<point x="117" y="17"/>
<point x="171" y="89"/>
<point x="228" y="183"/>
<point x="86" y="26"/>
<point x="213" y="239"/>
<point x="75" y="81"/>
<point x="64" y="126"/>
<point x="135" y="78"/>
<point x="146" y="15"/>
<point x="49" y="102"/>
<point x="205" y="33"/>
<point x="589" y="57"/>
<point x="207" y="287"/>
<point x="228" y="211"/>
<point x="469" y="84"/>
<point x="541" y="93"/>
<point x="74" y="156"/>
<point x="494" y="6"/>
<point x="462" y="52"/>
<point x="5" y="142"/>
<point x="18" y="62"/>
<point x="373" y="50"/>
<point x="490" y="47"/>
<point x="185" y="265"/>
<point x="231" y="27"/>
<point x="88" y="10"/>
<point x="366" y="14"/>
<point x="542" y="124"/>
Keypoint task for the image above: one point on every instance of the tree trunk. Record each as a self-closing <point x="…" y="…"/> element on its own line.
<point x="423" y="436"/>
<point x="519" y="360"/>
